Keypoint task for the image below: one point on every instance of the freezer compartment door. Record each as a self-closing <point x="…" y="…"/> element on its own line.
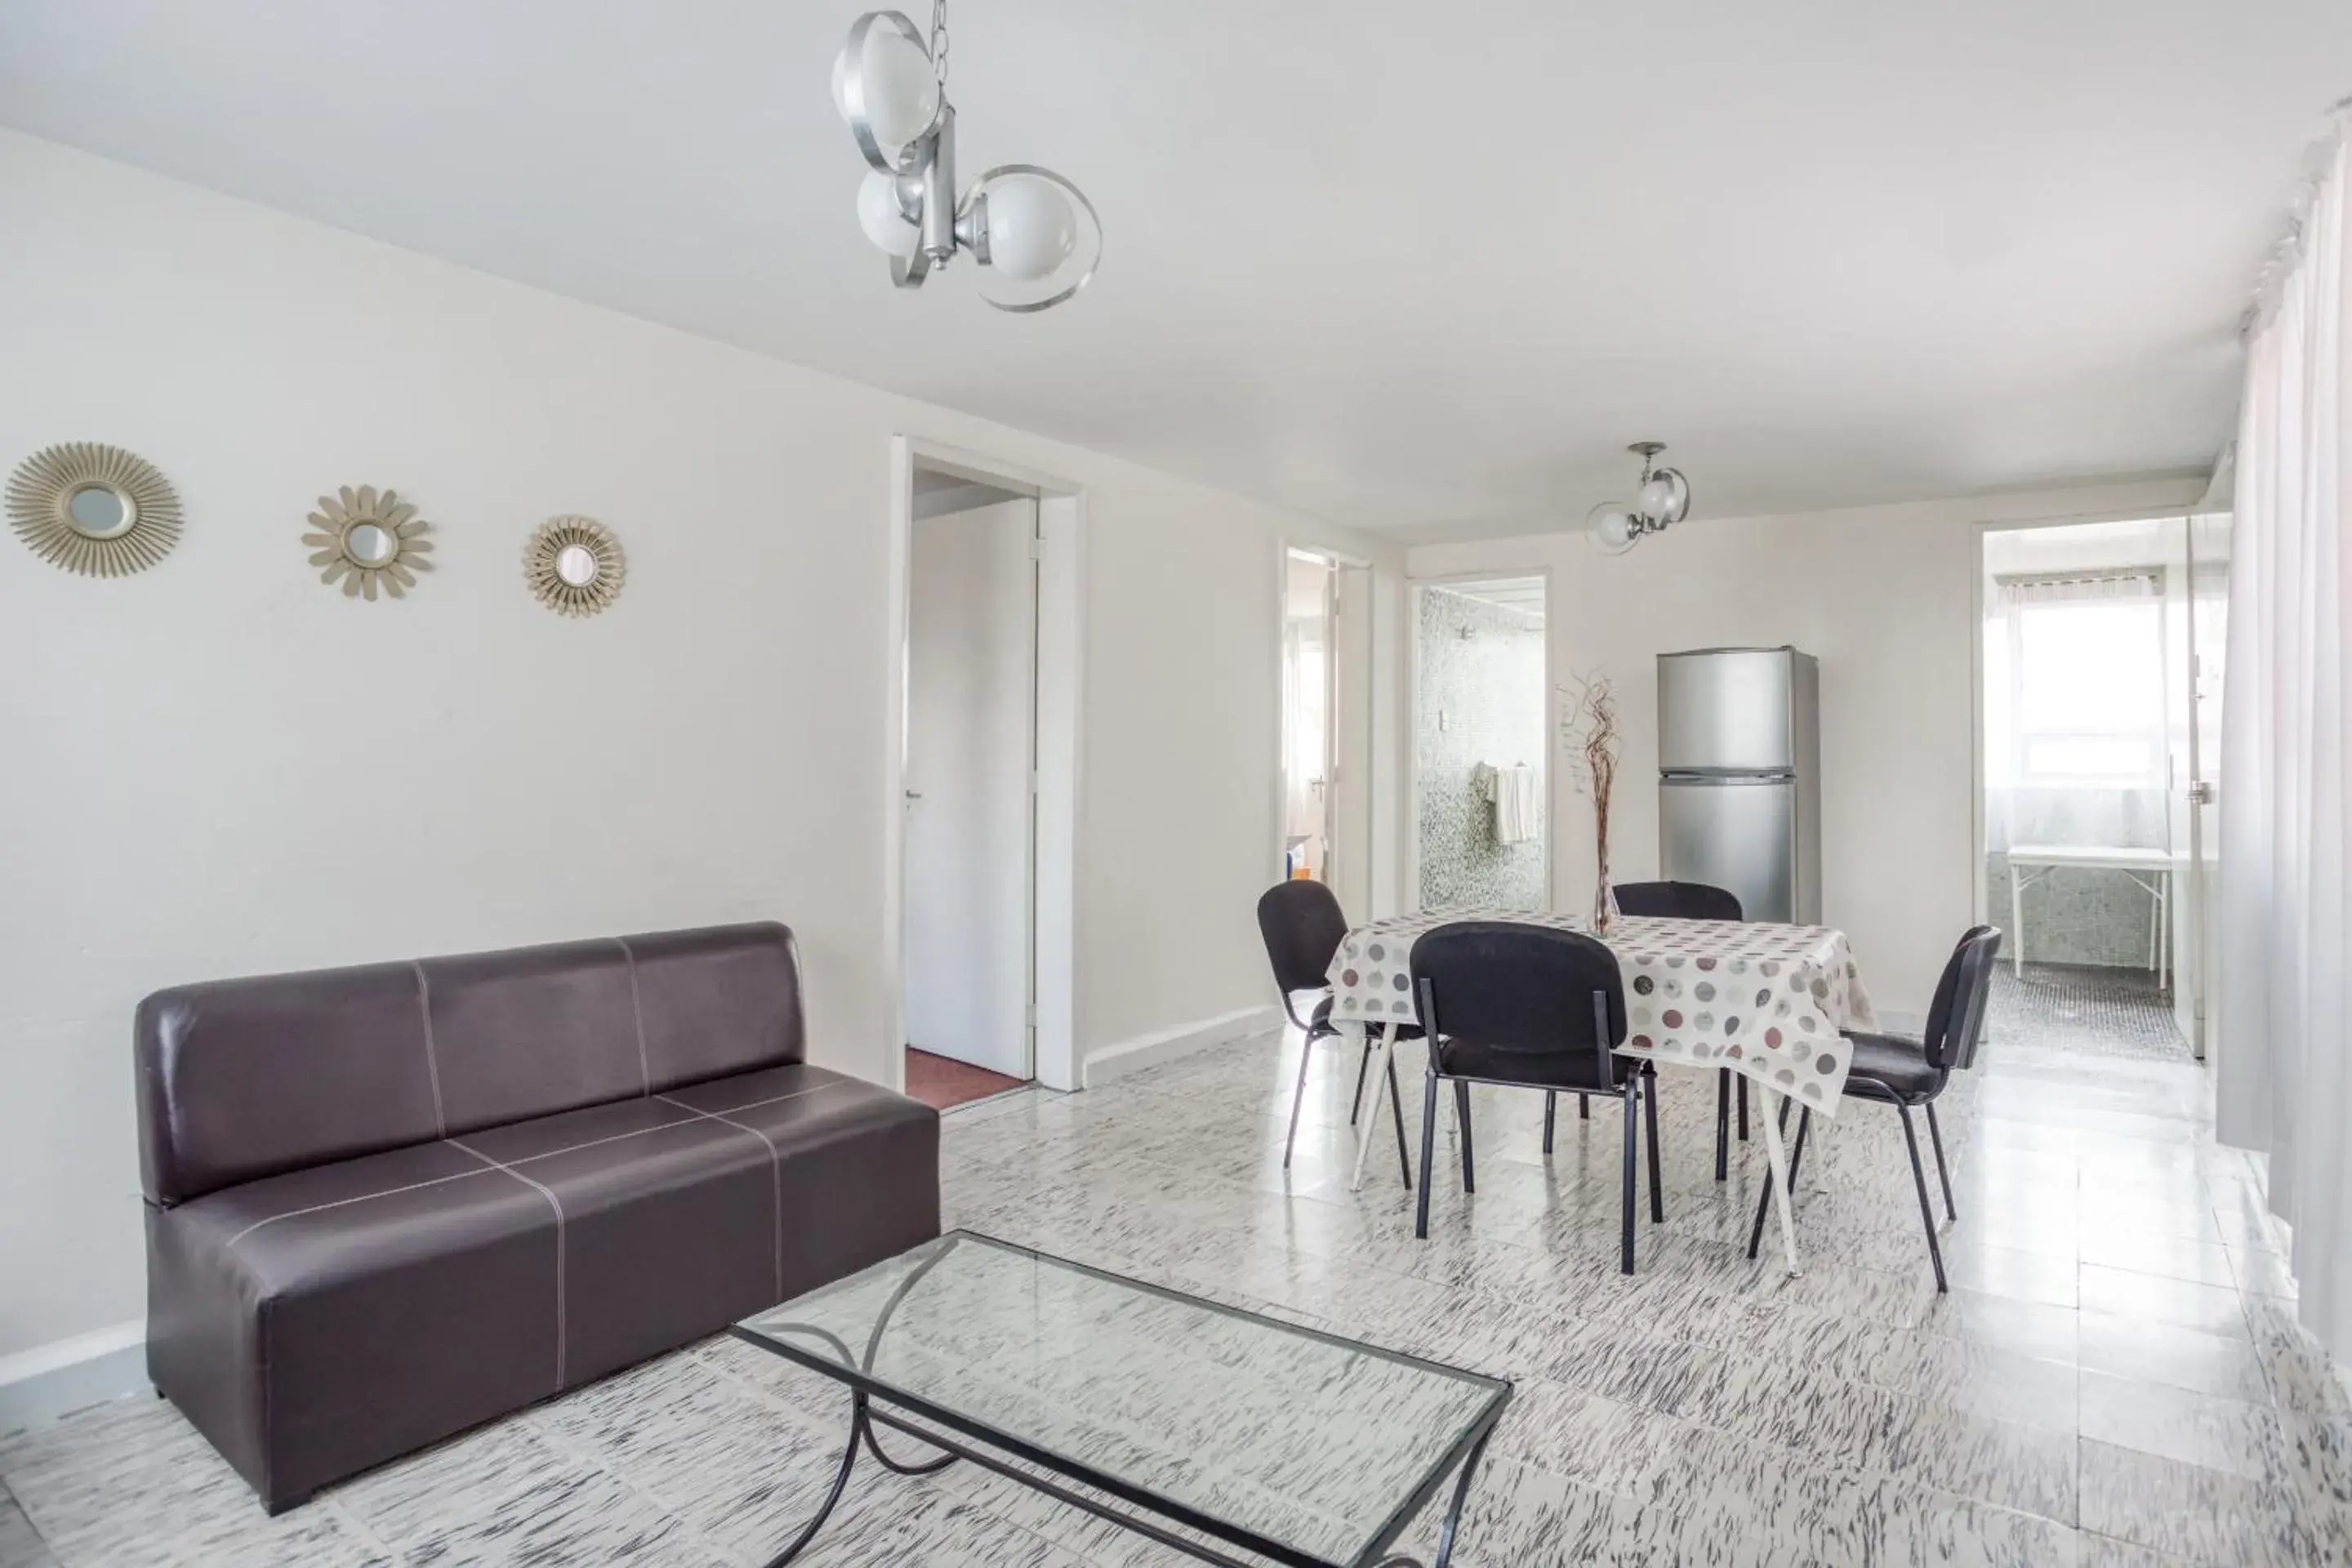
<point x="1725" y="712"/>
<point x="1738" y="834"/>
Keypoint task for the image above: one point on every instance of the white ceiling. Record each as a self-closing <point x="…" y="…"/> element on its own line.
<point x="1394" y="263"/>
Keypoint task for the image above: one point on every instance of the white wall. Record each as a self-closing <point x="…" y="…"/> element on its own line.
<point x="1885" y="596"/>
<point x="220" y="767"/>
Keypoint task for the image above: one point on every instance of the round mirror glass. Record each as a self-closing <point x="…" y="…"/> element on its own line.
<point x="576" y="564"/>
<point x="371" y="544"/>
<point x="99" y="513"/>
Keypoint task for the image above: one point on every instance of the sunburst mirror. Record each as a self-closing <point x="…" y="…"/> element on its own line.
<point x="573" y="565"/>
<point x="94" y="509"/>
<point x="364" y="538"/>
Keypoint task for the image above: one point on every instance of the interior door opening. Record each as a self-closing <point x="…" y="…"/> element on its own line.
<point x="2100" y="711"/>
<point x="970" y="782"/>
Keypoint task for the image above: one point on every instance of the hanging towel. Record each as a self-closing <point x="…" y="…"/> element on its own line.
<point x="1512" y="791"/>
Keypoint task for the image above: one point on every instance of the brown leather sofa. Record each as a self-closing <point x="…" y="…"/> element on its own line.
<point x="388" y="1203"/>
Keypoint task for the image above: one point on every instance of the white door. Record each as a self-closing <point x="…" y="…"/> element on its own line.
<point x="971" y="687"/>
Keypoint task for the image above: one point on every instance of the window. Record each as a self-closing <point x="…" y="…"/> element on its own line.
<point x="2074" y="682"/>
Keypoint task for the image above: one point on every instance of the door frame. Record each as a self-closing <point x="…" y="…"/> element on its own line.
<point x="1056" y="707"/>
<point x="2184" y="511"/>
<point x="1413" y="587"/>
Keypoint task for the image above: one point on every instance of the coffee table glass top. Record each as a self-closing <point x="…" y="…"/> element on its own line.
<point x="1324" y="1445"/>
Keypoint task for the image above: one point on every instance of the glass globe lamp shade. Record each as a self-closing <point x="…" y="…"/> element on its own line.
<point x="1032" y="230"/>
<point x="1666" y="497"/>
<point x="1044" y="239"/>
<point x="889" y="81"/>
<point x="1612" y="526"/>
<point x="885" y="222"/>
<point x="1656" y="497"/>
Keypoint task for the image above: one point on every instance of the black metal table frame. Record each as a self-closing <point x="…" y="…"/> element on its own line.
<point x="864" y="1392"/>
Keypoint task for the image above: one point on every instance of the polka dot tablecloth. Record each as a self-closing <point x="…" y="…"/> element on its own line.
<point x="1771" y="1002"/>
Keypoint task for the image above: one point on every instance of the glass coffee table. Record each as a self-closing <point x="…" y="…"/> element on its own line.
<point x="1181" y="1417"/>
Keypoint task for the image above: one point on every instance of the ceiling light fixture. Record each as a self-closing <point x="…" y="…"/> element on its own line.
<point x="1029" y="227"/>
<point x="1661" y="502"/>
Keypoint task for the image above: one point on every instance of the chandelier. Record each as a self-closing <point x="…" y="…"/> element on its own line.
<point x="1662" y="501"/>
<point x="1035" y="233"/>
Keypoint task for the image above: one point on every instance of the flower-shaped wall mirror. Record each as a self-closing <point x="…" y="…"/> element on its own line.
<point x="363" y="538"/>
<point x="94" y="509"/>
<point x="573" y="565"/>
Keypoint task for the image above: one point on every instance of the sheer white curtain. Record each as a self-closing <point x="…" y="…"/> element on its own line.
<point x="2283" y="1047"/>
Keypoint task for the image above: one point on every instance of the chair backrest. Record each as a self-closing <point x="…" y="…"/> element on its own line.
<point x="1303" y="927"/>
<point x="1678" y="902"/>
<point x="1956" y="1017"/>
<point x="1518" y="989"/>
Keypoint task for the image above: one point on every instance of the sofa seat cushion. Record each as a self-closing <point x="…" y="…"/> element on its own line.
<point x="858" y="1166"/>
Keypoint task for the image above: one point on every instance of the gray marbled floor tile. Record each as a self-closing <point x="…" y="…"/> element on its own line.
<point x="2175" y="1257"/>
<point x="2261" y="1272"/>
<point x="20" y="1546"/>
<point x="2046" y="1277"/>
<point x="2126" y="1212"/>
<point x="586" y="1517"/>
<point x="1731" y="1487"/>
<point x="465" y="1479"/>
<point x="1596" y="1442"/>
<point x="2032" y="1328"/>
<point x="2183" y="1358"/>
<point x="2187" y="1511"/>
<point x="1936" y="1529"/>
<point x="2093" y="1551"/>
<point x="1982" y="1380"/>
<point x="2215" y="1308"/>
<point x="1832" y="1420"/>
<point x="2178" y="1423"/>
<point x="2027" y="1468"/>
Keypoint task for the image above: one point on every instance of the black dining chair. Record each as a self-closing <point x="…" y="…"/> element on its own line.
<point x="1893" y="1069"/>
<point x="1303" y="927"/>
<point x="1527" y="1007"/>
<point x="1696" y="902"/>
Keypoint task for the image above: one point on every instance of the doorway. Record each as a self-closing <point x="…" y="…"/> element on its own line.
<point x="968" y="801"/>
<point x="2100" y="711"/>
<point x="1481" y="729"/>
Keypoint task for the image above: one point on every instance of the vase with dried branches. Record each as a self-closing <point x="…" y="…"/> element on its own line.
<point x="1587" y="729"/>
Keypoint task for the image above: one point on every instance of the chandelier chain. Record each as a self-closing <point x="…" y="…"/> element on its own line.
<point x="940" y="41"/>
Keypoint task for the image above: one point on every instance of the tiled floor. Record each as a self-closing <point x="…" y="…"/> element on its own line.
<point x="2117" y="1383"/>
<point x="2089" y="1010"/>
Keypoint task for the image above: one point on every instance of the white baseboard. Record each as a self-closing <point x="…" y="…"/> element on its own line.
<point x="1125" y="1058"/>
<point x="40" y="1384"/>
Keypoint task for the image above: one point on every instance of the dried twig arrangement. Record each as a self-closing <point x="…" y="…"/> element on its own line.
<point x="1588" y="728"/>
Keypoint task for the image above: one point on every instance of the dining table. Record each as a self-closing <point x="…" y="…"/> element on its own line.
<point x="1768" y="1001"/>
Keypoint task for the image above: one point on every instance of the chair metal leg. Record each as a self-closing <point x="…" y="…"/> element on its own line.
<point x="1584" y="1108"/>
<point x="1428" y="1151"/>
<point x="1764" y="1201"/>
<point x="1797" y="1154"/>
<point x="1297" y="1097"/>
<point x="1650" y="1115"/>
<point x="1926" y="1215"/>
<point x="1625" y="1224"/>
<point x="1935" y="1135"/>
<point x="1551" y="1104"/>
<point x="1722" y="1124"/>
<point x="1462" y="1114"/>
<point x="1743" y="1106"/>
<point x="1396" y="1105"/>
<point x="1356" y="1105"/>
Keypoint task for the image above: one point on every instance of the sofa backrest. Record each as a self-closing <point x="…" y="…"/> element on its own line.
<point x="245" y="1078"/>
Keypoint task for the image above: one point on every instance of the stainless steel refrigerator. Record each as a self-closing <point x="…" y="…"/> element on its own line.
<point x="1739" y="776"/>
